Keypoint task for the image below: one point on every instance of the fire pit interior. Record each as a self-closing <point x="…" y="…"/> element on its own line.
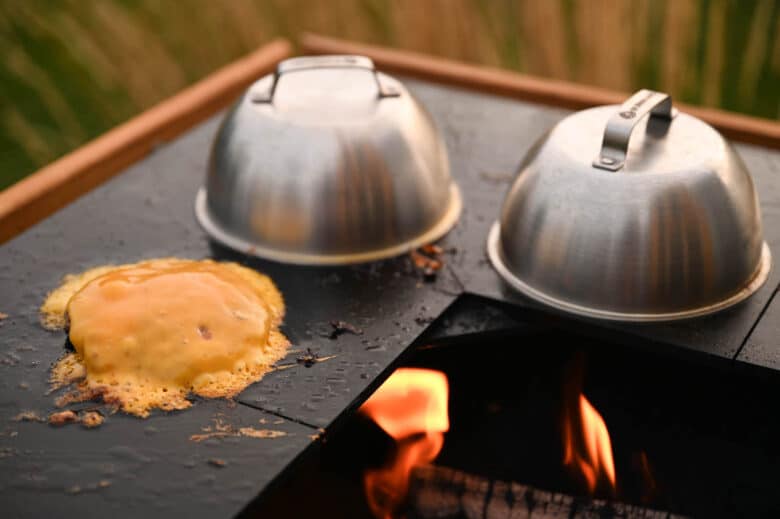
<point x="546" y="415"/>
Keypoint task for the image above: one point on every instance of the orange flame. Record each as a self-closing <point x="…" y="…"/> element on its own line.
<point x="587" y="447"/>
<point x="411" y="406"/>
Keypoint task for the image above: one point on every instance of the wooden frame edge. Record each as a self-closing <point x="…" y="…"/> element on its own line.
<point x="34" y="198"/>
<point x="754" y="130"/>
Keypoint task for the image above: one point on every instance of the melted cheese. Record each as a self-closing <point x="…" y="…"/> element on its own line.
<point x="147" y="334"/>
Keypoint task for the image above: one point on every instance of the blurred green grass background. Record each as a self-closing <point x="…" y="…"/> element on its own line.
<point x="71" y="69"/>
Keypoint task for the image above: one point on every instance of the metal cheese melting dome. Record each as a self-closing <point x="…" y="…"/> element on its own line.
<point x="327" y="162"/>
<point x="664" y="226"/>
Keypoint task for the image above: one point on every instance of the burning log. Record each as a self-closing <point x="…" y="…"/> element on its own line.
<point x="441" y="492"/>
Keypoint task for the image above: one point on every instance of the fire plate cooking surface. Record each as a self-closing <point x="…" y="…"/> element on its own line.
<point x="151" y="467"/>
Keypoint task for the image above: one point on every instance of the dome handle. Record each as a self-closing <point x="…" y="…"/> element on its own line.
<point x="617" y="133"/>
<point x="316" y="62"/>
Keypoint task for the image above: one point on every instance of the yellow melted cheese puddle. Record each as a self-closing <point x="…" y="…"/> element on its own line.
<point x="148" y="334"/>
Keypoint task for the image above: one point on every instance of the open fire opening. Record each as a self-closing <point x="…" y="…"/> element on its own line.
<point x="546" y="420"/>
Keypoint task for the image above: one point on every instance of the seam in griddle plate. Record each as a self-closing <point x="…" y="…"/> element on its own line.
<point x="280" y="415"/>
<point x="755" y="323"/>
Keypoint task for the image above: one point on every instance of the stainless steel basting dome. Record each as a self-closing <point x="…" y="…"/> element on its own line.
<point x="327" y="162"/>
<point x="666" y="226"/>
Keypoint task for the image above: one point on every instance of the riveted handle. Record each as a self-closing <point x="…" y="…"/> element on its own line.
<point x="318" y="62"/>
<point x="617" y="133"/>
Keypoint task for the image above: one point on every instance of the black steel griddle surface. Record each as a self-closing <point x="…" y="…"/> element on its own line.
<point x="151" y="466"/>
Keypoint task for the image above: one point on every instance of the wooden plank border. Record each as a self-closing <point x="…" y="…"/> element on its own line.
<point x="64" y="180"/>
<point x="739" y="127"/>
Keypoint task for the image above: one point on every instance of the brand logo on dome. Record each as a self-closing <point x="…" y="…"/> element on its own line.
<point x="630" y="113"/>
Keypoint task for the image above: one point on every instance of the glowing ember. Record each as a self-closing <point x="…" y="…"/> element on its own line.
<point x="587" y="447"/>
<point x="411" y="406"/>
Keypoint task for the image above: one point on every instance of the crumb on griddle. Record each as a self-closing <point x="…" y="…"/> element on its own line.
<point x="428" y="261"/>
<point x="423" y="320"/>
<point x="432" y="250"/>
<point x="10" y="359"/>
<point x="217" y="462"/>
<point x="342" y="327"/>
<point x="429" y="274"/>
<point x="28" y="416"/>
<point x="308" y="358"/>
<point x="62" y="418"/>
<point x="220" y="429"/>
<point x="318" y="435"/>
<point x="91" y="419"/>
<point x="261" y="433"/>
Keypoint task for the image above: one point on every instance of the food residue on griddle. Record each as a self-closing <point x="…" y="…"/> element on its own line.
<point x="261" y="433"/>
<point x="307" y="358"/>
<point x="217" y="462"/>
<point x="310" y="357"/>
<point x="91" y="419"/>
<point x="28" y="416"/>
<point x="428" y="260"/>
<point x="10" y="359"/>
<point x="92" y="487"/>
<point x="221" y="430"/>
<point x="148" y="334"/>
<point x="423" y="320"/>
<point x="342" y="327"/>
<point x="88" y="419"/>
<point x="319" y="434"/>
<point x="63" y="417"/>
<point x="432" y="249"/>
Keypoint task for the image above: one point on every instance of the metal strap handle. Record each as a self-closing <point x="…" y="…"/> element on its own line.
<point x="317" y="62"/>
<point x="614" y="147"/>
